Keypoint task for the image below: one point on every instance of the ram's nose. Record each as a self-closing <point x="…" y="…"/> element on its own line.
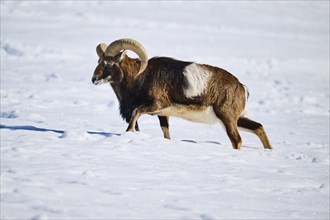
<point x="95" y="81"/>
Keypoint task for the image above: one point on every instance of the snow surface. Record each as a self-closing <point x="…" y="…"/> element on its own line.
<point x="64" y="152"/>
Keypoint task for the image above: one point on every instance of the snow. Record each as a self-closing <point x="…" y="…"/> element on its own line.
<point x="64" y="150"/>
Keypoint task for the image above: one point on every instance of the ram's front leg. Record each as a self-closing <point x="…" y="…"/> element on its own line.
<point x="137" y="127"/>
<point x="164" y="125"/>
<point x="138" y="112"/>
<point x="133" y="122"/>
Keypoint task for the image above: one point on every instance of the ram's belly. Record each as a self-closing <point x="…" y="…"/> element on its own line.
<point x="191" y="113"/>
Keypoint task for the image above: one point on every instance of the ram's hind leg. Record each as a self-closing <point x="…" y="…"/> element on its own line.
<point x="164" y="125"/>
<point x="255" y="128"/>
<point x="230" y="125"/>
<point x="233" y="134"/>
<point x="231" y="129"/>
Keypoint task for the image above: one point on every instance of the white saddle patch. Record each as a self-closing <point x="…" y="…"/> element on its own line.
<point x="191" y="113"/>
<point x="197" y="79"/>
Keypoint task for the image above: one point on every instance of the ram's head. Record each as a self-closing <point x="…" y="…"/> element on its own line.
<point x="109" y="68"/>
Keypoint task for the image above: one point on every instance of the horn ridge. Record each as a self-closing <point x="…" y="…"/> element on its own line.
<point x="128" y="44"/>
<point x="100" y="49"/>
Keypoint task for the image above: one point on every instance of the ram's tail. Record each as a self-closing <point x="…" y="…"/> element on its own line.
<point x="247" y="94"/>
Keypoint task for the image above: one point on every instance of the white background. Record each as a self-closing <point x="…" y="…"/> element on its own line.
<point x="64" y="152"/>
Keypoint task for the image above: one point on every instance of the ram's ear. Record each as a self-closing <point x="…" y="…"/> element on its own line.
<point x="120" y="56"/>
<point x="100" y="49"/>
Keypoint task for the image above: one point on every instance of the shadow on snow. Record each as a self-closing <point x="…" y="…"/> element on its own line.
<point x="33" y="128"/>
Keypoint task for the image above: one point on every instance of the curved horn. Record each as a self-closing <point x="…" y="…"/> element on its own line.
<point x="128" y="44"/>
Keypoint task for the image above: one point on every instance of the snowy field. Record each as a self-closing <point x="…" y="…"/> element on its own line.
<point x="64" y="150"/>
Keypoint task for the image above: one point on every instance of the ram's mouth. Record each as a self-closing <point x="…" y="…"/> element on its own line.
<point x="97" y="82"/>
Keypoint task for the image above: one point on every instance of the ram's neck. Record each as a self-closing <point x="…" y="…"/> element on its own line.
<point x="126" y="99"/>
<point x="128" y="102"/>
<point x="130" y="69"/>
